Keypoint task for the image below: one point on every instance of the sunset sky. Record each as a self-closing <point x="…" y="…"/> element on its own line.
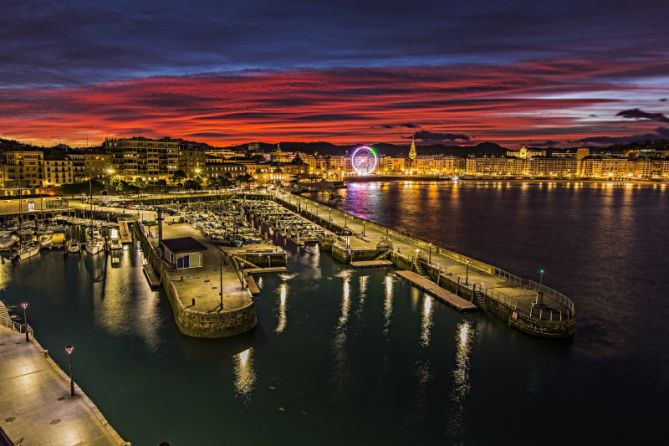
<point x="227" y="72"/>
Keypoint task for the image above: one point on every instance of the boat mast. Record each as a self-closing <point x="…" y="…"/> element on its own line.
<point x="90" y="199"/>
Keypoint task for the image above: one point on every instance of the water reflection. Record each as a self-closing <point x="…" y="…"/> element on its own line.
<point x="283" y="307"/>
<point x="388" y="304"/>
<point x="341" y="372"/>
<point x="364" y="280"/>
<point x="426" y="322"/>
<point x="463" y="341"/>
<point x="245" y="376"/>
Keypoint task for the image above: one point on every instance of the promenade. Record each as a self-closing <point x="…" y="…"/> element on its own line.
<point x="35" y="403"/>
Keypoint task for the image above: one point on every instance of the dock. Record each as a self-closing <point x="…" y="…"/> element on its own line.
<point x="427" y="285"/>
<point x="124" y="232"/>
<point x="253" y="286"/>
<point x="372" y="264"/>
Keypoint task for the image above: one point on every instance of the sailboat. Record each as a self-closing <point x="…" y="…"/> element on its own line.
<point x="94" y="243"/>
<point x="72" y="247"/>
<point x="29" y="249"/>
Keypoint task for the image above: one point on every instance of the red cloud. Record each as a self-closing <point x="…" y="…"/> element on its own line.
<point x="532" y="101"/>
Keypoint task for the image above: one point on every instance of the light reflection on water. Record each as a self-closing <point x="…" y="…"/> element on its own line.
<point x="283" y="307"/>
<point x="426" y="321"/>
<point x="388" y="305"/>
<point x="463" y="341"/>
<point x="245" y="376"/>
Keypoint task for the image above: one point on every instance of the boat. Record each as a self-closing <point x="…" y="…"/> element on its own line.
<point x="115" y="244"/>
<point x="45" y="241"/>
<point x="94" y="245"/>
<point x="72" y="247"/>
<point x="28" y="250"/>
<point x="7" y="242"/>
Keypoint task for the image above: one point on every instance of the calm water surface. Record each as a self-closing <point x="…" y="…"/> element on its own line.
<point x="359" y="357"/>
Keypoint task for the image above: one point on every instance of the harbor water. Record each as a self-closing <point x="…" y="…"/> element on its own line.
<point x="346" y="356"/>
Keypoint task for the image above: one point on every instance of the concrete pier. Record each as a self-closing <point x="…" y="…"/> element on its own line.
<point x="451" y="299"/>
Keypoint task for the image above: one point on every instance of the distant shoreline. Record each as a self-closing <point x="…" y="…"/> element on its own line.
<point x="393" y="178"/>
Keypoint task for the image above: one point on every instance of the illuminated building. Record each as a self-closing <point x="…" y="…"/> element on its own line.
<point x="58" y="171"/>
<point x="143" y="158"/>
<point x="552" y="167"/>
<point x="24" y="168"/>
<point x="495" y="166"/>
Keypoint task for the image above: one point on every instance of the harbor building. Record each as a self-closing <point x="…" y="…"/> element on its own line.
<point x="183" y="252"/>
<point x="192" y="158"/>
<point x="220" y="168"/>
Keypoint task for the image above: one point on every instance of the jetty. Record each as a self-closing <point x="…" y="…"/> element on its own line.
<point x="433" y="289"/>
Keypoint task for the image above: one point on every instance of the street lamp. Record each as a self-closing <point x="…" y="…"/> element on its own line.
<point x="69" y="349"/>
<point x="24" y="305"/>
<point x="430" y="254"/>
<point x="467" y="274"/>
<point x="541" y="277"/>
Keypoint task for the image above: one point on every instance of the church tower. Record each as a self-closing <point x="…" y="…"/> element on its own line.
<point x="411" y="162"/>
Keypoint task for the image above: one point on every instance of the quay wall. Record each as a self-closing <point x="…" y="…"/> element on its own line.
<point x="196" y="323"/>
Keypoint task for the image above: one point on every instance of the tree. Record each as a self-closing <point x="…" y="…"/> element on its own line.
<point x="192" y="185"/>
<point x="178" y="176"/>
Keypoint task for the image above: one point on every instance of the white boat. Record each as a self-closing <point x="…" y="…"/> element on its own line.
<point x="115" y="244"/>
<point x="28" y="250"/>
<point x="72" y="247"/>
<point x="94" y="245"/>
<point x="45" y="241"/>
<point x="7" y="241"/>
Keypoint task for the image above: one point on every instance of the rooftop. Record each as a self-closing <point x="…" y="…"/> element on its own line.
<point x="183" y="244"/>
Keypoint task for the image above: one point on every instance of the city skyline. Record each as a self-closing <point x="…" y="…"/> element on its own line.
<point x="345" y="74"/>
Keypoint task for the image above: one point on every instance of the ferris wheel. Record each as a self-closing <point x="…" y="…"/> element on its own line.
<point x="364" y="160"/>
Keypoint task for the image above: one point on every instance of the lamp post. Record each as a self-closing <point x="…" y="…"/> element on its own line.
<point x="467" y="274"/>
<point x="430" y="254"/>
<point x="24" y="305"/>
<point x="540" y="293"/>
<point x="69" y="349"/>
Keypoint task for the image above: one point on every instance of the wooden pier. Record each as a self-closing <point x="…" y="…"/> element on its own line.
<point x="427" y="285"/>
<point x="372" y="264"/>
<point x="124" y="232"/>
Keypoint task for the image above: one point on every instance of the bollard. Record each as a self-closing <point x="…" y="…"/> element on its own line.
<point x="193" y="300"/>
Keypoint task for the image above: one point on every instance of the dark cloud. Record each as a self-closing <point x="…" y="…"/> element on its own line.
<point x="83" y="41"/>
<point x="407" y="125"/>
<point x="663" y="100"/>
<point x="636" y="113"/>
<point x="439" y="137"/>
<point x="659" y="134"/>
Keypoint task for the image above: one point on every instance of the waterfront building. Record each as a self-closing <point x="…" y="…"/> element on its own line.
<point x="24" y="168"/>
<point x="562" y="167"/>
<point x="438" y="165"/>
<point x="611" y="168"/>
<point x="183" y="252"/>
<point x="143" y="158"/>
<point x="392" y="165"/>
<point x="495" y="166"/>
<point x="58" y="170"/>
<point x="339" y="165"/>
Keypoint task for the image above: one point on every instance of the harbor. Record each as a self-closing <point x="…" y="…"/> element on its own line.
<point x="325" y="325"/>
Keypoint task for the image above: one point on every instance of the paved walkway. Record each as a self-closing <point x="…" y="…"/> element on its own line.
<point x="35" y="403"/>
